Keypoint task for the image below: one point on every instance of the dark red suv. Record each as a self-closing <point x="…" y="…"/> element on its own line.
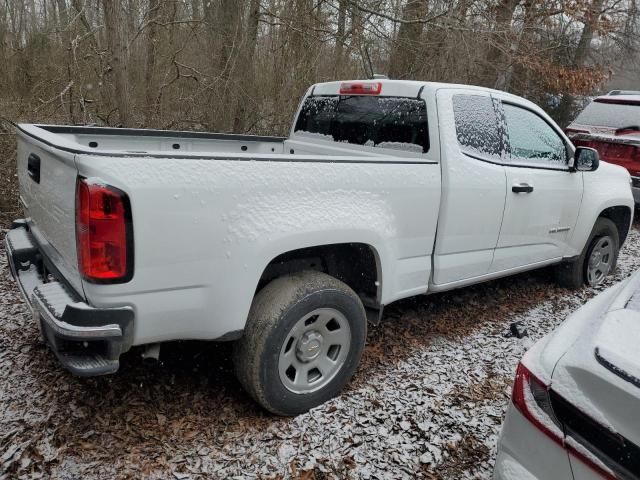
<point x="611" y="125"/>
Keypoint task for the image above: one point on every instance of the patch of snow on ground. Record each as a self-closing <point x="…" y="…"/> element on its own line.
<point x="427" y="402"/>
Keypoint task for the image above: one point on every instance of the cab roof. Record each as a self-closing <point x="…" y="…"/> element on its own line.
<point x="405" y="88"/>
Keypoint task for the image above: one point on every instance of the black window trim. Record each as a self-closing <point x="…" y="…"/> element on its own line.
<point x="426" y="109"/>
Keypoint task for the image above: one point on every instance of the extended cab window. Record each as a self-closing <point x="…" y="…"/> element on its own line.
<point x="614" y="112"/>
<point x="477" y="126"/>
<point x="532" y="140"/>
<point x="390" y="122"/>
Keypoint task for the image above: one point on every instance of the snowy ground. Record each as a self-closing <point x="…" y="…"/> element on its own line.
<point x="427" y="402"/>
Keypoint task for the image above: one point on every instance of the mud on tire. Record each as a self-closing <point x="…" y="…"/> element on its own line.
<point x="317" y="316"/>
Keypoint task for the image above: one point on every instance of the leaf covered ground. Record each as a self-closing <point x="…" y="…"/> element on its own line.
<point x="427" y="401"/>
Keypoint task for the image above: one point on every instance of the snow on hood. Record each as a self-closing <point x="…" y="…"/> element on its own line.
<point x="610" y="325"/>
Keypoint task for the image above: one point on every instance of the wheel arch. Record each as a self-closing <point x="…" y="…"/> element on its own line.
<point x="621" y="216"/>
<point x="356" y="264"/>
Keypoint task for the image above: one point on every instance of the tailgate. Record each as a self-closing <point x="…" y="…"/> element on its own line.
<point x="47" y="177"/>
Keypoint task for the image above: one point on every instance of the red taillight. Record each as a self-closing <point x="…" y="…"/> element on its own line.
<point x="103" y="233"/>
<point x="361" y="88"/>
<point x="531" y="397"/>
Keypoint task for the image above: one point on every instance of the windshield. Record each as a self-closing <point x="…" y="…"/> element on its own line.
<point x="614" y="115"/>
<point x="389" y="122"/>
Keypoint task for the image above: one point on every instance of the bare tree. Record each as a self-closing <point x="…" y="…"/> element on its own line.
<point x="407" y="44"/>
<point x="591" y="19"/>
<point x="114" y="23"/>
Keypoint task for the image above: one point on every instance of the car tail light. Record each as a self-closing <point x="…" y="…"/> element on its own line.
<point x="531" y="397"/>
<point x="103" y="233"/>
<point x="361" y="88"/>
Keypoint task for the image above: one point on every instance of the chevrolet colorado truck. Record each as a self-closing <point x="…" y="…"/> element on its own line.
<point x="287" y="246"/>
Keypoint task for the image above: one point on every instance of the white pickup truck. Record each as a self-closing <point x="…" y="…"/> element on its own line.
<point x="286" y="246"/>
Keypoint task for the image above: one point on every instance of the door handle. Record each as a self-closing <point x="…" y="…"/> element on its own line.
<point x="33" y="167"/>
<point x="522" y="188"/>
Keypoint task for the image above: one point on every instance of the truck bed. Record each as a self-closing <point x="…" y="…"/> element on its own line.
<point x="136" y="142"/>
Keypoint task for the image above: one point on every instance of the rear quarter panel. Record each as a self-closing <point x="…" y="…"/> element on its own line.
<point x="205" y="229"/>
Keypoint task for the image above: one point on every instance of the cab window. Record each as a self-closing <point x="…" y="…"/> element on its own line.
<point x="532" y="141"/>
<point x="477" y="127"/>
<point x="395" y="123"/>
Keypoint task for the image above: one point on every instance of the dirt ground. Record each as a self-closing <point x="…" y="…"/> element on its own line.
<point x="427" y="401"/>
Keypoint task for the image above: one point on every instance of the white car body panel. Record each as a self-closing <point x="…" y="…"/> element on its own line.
<point x="210" y="213"/>
<point x="528" y="454"/>
<point x="567" y="359"/>
<point x="227" y="219"/>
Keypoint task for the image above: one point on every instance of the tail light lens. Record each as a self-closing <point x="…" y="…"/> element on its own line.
<point x="103" y="233"/>
<point x="531" y="397"/>
<point x="361" y="88"/>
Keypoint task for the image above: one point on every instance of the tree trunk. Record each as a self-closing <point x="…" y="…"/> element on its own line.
<point x="247" y="79"/>
<point x="117" y="49"/>
<point x="592" y="16"/>
<point x="497" y="60"/>
<point x="149" y="73"/>
<point x="340" y="38"/>
<point x="406" y="46"/>
<point x="517" y="79"/>
<point x="224" y="26"/>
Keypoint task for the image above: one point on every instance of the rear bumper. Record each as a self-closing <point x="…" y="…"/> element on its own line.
<point x="525" y="453"/>
<point x="88" y="341"/>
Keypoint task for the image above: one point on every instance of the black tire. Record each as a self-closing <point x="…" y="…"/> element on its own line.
<point x="574" y="274"/>
<point x="275" y="310"/>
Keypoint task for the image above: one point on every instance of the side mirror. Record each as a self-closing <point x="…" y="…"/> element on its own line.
<point x="586" y="159"/>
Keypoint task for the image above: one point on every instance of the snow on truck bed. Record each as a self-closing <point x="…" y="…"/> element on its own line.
<point x="427" y="401"/>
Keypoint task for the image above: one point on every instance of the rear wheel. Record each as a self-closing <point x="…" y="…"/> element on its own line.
<point x="598" y="259"/>
<point x="303" y="341"/>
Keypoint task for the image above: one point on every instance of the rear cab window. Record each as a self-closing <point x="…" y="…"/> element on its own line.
<point x="614" y="112"/>
<point x="395" y="123"/>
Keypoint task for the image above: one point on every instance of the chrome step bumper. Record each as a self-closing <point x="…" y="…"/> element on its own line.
<point x="87" y="340"/>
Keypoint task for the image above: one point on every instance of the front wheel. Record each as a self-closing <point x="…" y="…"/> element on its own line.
<point x="598" y="259"/>
<point x="302" y="343"/>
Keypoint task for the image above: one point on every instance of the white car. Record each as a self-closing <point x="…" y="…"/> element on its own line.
<point x="575" y="405"/>
<point x="383" y="190"/>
